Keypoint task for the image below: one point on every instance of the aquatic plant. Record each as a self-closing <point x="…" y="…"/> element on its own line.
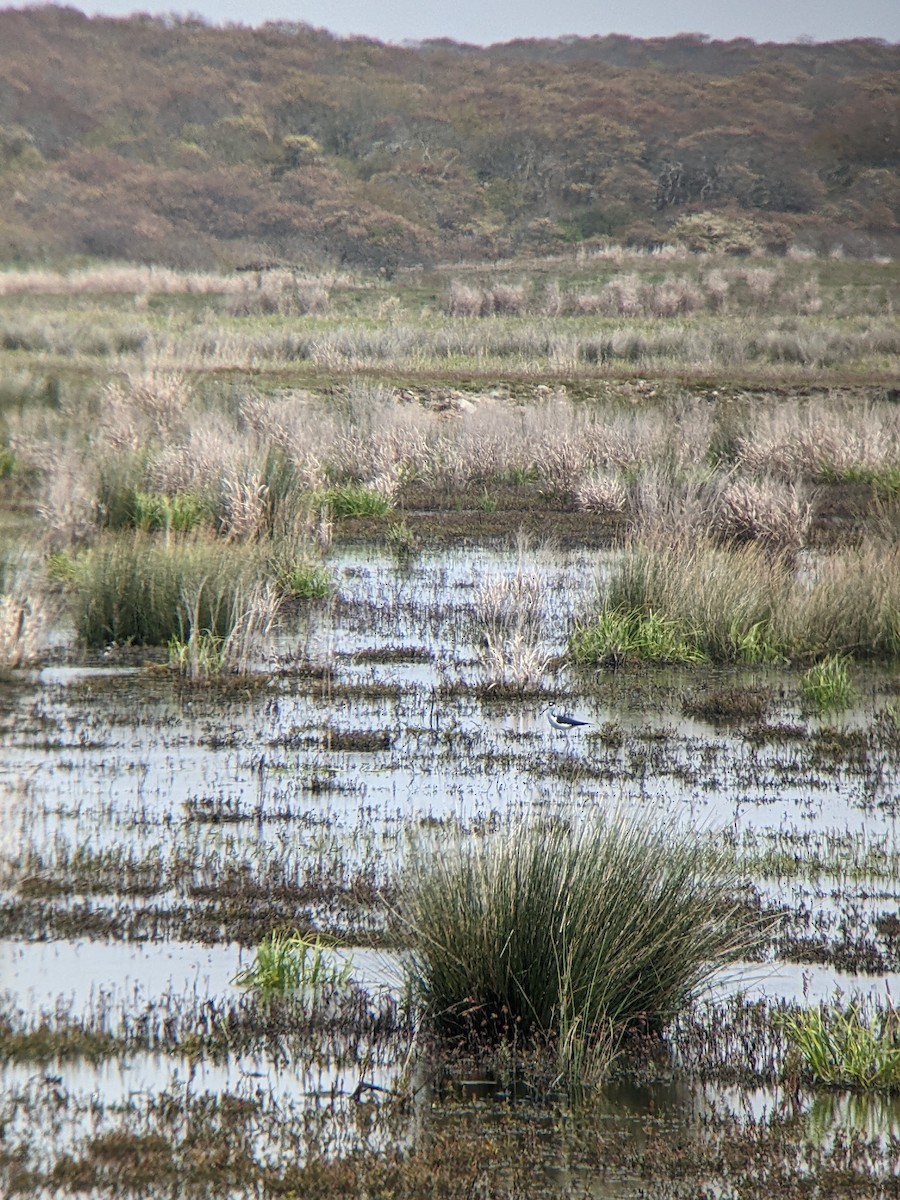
<point x="848" y="1045"/>
<point x="286" y="962"/>
<point x="826" y="686"/>
<point x="618" y="636"/>
<point x="132" y="587"/>
<point x="304" y="580"/>
<point x="575" y="932"/>
<point x="354" y="500"/>
<point x="766" y="510"/>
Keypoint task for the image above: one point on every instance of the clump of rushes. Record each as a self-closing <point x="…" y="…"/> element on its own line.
<point x="355" y="500"/>
<point x="846" y="1046"/>
<point x="131" y="587"/>
<point x="740" y="603"/>
<point x="572" y="934"/>
<point x="288" y="963"/>
<point x="826" y="685"/>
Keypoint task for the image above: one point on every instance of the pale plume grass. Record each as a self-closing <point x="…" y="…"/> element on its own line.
<point x="132" y="279"/>
<point x="68" y="506"/>
<point x="24" y="617"/>
<point x="717" y="286"/>
<point x="602" y="492"/>
<point x="463" y="300"/>
<point x="506" y="605"/>
<point x="514" y="663"/>
<point x="685" y="340"/>
<point x="796" y="439"/>
<point x="208" y="453"/>
<point x="613" y="252"/>
<point x="244" y="509"/>
<point x="766" y="510"/>
<point x="663" y="499"/>
<point x="149" y="405"/>
<point x="760" y="283"/>
<point x="509" y="613"/>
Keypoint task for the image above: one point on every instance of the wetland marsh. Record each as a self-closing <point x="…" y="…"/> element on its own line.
<point x="288" y="590"/>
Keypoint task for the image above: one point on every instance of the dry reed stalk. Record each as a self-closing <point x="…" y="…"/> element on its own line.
<point x="23" y="626"/>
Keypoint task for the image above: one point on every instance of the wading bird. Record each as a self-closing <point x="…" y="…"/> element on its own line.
<point x="564" y="721"/>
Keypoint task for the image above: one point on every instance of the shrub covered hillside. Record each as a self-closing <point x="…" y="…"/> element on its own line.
<point x="168" y="140"/>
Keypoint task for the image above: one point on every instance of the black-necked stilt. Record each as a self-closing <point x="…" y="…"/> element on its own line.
<point x="564" y="721"/>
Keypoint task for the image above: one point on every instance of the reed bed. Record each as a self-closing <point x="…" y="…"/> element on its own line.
<point x="742" y="604"/>
<point x="132" y="587"/>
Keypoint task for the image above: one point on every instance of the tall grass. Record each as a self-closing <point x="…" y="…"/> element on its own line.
<point x="743" y="604"/>
<point x="572" y="932"/>
<point x="132" y="587"/>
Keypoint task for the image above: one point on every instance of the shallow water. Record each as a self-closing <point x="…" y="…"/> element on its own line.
<point x="111" y="774"/>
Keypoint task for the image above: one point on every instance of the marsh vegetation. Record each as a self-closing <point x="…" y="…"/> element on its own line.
<point x="301" y="892"/>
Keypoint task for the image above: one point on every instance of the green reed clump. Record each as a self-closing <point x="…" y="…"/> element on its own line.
<point x="846" y="1045"/>
<point x="304" y="580"/>
<point x="155" y="511"/>
<point x="132" y="587"/>
<point x="287" y="962"/>
<point x="576" y="933"/>
<point x="826" y="686"/>
<point x="618" y="636"/>
<point x="355" y="500"/>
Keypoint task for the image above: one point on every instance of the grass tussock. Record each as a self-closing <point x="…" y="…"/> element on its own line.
<point x="826" y="686"/>
<point x="355" y="500"/>
<point x="576" y="933"/>
<point x="287" y="963"/>
<point x="131" y="587"/>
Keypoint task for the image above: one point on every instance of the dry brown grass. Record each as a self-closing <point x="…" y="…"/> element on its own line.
<point x="797" y="439"/>
<point x="768" y="511"/>
<point x="23" y="629"/>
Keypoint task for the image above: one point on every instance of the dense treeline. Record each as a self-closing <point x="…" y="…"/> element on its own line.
<point x="168" y="140"/>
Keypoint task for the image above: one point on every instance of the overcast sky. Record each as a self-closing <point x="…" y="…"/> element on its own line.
<point x="484" y="21"/>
